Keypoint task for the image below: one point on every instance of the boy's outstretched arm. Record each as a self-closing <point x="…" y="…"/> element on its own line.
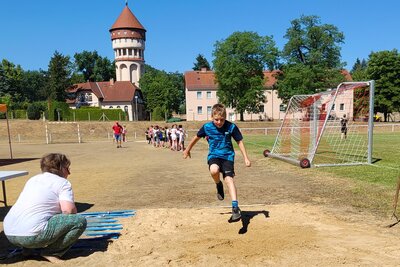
<point x="244" y="153"/>
<point x="186" y="152"/>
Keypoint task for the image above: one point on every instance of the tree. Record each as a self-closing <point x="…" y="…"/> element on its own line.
<point x="85" y="63"/>
<point x="11" y="80"/>
<point x="94" y="67"/>
<point x="4" y="83"/>
<point x="33" y="84"/>
<point x="359" y="70"/>
<point x="162" y="90"/>
<point x="384" y="68"/>
<point x="239" y="62"/>
<point x="103" y="70"/>
<point x="311" y="43"/>
<point x="201" y="62"/>
<point x="59" y="79"/>
<point x="313" y="49"/>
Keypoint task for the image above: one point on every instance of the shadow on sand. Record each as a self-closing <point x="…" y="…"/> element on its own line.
<point x="246" y="218"/>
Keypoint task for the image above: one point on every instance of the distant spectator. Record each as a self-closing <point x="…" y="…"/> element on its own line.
<point x="117" y="128"/>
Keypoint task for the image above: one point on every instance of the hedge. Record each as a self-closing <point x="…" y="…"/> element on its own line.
<point x="95" y="114"/>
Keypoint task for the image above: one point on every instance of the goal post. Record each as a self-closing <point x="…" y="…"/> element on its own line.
<point x="331" y="128"/>
<point x="63" y="132"/>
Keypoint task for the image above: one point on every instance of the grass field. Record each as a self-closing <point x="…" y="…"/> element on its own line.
<point x="384" y="171"/>
<point x="364" y="187"/>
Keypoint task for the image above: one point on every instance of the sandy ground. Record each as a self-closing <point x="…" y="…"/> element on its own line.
<point x="288" y="220"/>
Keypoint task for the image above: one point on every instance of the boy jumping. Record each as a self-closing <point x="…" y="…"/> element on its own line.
<point x="221" y="155"/>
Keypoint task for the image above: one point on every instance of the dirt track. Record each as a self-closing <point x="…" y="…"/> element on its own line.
<point x="291" y="216"/>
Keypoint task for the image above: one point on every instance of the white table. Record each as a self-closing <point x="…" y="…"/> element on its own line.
<point x="5" y="175"/>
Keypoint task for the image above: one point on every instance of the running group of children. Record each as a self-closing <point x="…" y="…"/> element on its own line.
<point x="173" y="138"/>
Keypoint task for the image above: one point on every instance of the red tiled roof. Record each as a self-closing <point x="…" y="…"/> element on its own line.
<point x="197" y="80"/>
<point x="347" y="75"/>
<point x="127" y="20"/>
<point x="119" y="91"/>
<point x="202" y="80"/>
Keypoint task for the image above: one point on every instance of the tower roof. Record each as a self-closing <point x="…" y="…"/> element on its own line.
<point x="127" y="20"/>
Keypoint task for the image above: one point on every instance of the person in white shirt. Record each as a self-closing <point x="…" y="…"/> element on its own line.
<point x="181" y="143"/>
<point x="44" y="216"/>
<point x="174" y="138"/>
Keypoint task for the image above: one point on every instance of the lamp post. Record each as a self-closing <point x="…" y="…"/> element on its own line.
<point x="136" y="108"/>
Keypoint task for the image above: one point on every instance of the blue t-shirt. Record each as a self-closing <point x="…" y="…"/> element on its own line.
<point x="220" y="139"/>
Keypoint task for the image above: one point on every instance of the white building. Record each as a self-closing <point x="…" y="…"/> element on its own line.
<point x="201" y="95"/>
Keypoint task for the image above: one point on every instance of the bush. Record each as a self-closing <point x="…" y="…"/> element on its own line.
<point x="96" y="114"/>
<point x="35" y="110"/>
<point x="18" y="114"/>
<point x="173" y="119"/>
<point x="157" y="114"/>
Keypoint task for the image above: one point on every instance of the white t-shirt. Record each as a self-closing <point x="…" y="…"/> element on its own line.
<point x="173" y="134"/>
<point x="37" y="203"/>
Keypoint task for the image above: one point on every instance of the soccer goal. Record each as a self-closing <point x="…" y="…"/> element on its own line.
<point x="330" y="128"/>
<point x="63" y="132"/>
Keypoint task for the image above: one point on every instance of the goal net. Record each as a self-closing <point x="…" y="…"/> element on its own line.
<point x="63" y="132"/>
<point x="328" y="128"/>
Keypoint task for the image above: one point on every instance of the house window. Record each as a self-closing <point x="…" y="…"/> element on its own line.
<point x="88" y="97"/>
<point x="282" y="107"/>
<point x="262" y="109"/>
<point x="341" y="106"/>
<point x="208" y="95"/>
<point x="333" y="107"/>
<point x="199" y="110"/>
<point x="198" y="95"/>
<point x="209" y="109"/>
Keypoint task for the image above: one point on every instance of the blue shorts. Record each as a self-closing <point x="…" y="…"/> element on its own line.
<point x="117" y="137"/>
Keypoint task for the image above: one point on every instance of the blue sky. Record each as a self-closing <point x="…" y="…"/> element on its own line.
<point x="179" y="30"/>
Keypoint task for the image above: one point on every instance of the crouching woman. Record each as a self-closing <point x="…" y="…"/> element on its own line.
<point x="44" y="216"/>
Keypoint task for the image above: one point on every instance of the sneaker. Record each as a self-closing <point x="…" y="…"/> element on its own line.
<point x="236" y="214"/>
<point x="220" y="191"/>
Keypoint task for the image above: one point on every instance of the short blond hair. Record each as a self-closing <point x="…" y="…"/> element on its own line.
<point x="219" y="109"/>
